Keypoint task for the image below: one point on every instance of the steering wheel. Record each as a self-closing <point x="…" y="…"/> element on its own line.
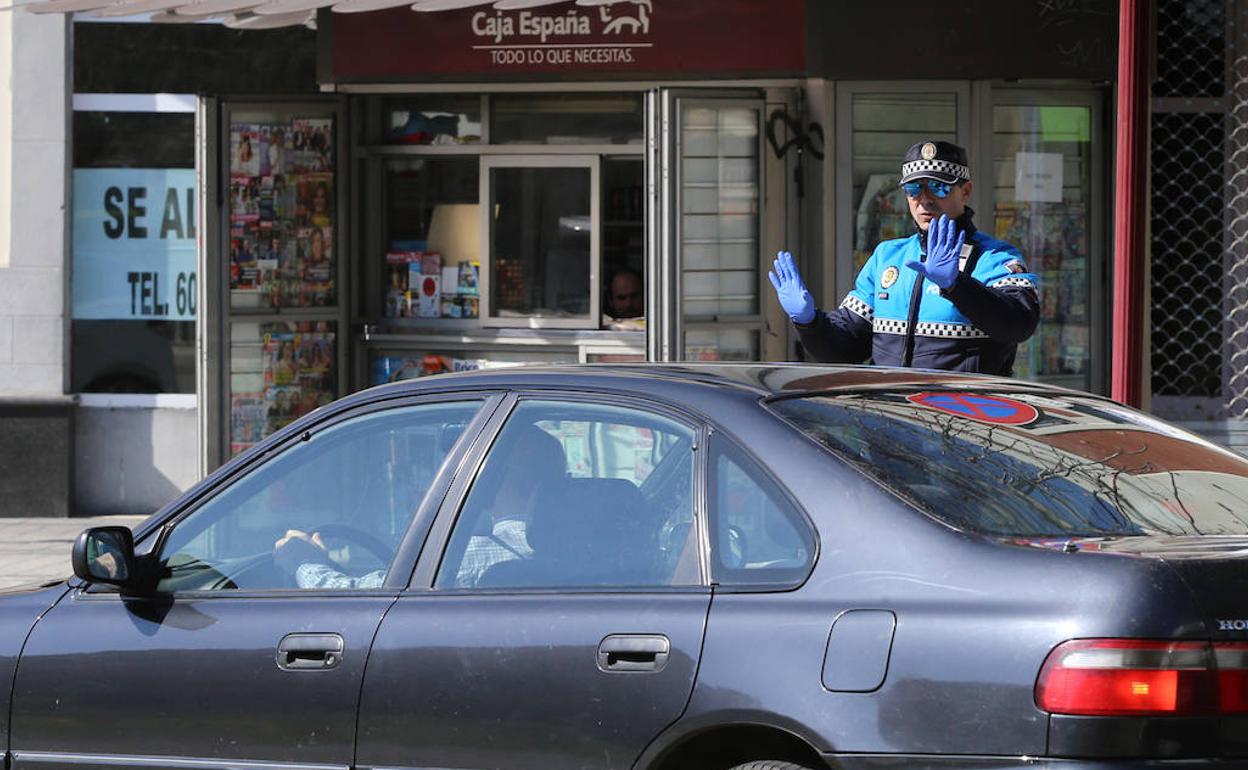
<point x="371" y="543"/>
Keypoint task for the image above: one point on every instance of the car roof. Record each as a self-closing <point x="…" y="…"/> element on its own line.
<point x="756" y="380"/>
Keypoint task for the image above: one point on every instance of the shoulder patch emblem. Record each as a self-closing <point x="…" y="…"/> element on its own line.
<point x="889" y="278"/>
<point x="1014" y="266"/>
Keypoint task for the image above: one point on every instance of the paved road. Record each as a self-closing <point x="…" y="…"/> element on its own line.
<point x="32" y="550"/>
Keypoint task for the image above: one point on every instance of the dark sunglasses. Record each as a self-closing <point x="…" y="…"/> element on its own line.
<point x="938" y="188"/>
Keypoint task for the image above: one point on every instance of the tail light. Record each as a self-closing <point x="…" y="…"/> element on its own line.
<point x="1232" y="660"/>
<point x="1136" y="677"/>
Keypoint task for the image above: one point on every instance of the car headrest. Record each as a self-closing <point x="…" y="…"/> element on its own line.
<point x="591" y="519"/>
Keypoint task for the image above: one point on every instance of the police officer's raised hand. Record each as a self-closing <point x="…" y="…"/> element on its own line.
<point x="944" y="249"/>
<point x="790" y="289"/>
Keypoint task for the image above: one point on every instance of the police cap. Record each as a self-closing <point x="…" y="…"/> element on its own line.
<point x="935" y="160"/>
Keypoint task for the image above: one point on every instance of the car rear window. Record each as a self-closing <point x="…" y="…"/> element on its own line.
<point x="1033" y="464"/>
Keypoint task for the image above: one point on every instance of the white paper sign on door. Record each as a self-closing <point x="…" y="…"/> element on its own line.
<point x="1038" y="176"/>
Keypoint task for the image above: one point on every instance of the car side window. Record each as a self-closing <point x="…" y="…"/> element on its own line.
<point x="328" y="512"/>
<point x="578" y="495"/>
<point x="758" y="537"/>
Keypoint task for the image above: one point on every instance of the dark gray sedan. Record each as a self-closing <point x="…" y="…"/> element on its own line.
<point x="670" y="567"/>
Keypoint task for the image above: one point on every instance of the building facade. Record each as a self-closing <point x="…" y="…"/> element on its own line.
<point x="401" y="193"/>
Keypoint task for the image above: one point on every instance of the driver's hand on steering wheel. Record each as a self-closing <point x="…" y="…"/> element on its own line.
<point x="298" y="547"/>
<point x="299" y="534"/>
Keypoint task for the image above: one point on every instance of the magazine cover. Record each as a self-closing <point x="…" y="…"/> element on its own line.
<point x="316" y="273"/>
<point x="265" y="208"/>
<point x="283" y="198"/>
<point x="272" y="149"/>
<point x="244" y="198"/>
<point x="248" y="419"/>
<point x="314" y="199"/>
<point x="244" y="149"/>
<point x="311" y="144"/>
<point x="283" y="402"/>
<point x="243" y="268"/>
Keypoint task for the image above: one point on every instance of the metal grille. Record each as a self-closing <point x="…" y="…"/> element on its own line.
<point x="1191" y="48"/>
<point x="1195" y="329"/>
<point x="1187" y="253"/>
<point x="1237" y="245"/>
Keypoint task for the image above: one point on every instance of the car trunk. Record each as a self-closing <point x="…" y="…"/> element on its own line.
<point x="1215" y="569"/>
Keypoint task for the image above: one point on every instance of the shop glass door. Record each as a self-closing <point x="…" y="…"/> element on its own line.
<point x="1046" y="201"/>
<point x="283" y="292"/>
<point x="876" y="124"/>
<point x="707" y="247"/>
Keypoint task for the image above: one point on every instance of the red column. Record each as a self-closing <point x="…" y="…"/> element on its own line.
<point x="1131" y="202"/>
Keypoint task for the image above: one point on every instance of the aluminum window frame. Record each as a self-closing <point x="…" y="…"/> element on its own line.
<point x="573" y="161"/>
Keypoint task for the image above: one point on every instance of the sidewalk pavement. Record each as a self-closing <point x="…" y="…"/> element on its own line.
<point x="32" y="550"/>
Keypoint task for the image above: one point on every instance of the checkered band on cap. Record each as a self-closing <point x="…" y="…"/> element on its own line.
<point x="858" y="307"/>
<point x="935" y="166"/>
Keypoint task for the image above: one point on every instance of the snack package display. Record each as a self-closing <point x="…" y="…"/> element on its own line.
<point x="469" y="278"/>
<point x="430" y="295"/>
<point x="392" y="367"/>
<point x="419" y="284"/>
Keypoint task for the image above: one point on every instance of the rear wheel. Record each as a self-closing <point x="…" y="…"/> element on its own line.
<point x="769" y="764"/>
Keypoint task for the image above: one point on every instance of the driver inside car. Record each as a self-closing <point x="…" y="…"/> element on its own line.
<point x="529" y="459"/>
<point x="306" y="558"/>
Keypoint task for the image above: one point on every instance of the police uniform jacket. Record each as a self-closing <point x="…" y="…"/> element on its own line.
<point x="897" y="318"/>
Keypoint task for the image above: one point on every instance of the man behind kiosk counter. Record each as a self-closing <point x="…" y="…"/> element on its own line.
<point x="947" y="297"/>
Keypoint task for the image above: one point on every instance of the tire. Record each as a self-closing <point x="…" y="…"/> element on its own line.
<point x="769" y="764"/>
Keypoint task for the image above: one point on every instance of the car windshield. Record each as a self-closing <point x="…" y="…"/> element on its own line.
<point x="1033" y="465"/>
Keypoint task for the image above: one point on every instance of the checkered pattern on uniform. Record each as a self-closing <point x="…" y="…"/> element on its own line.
<point x="858" y="307"/>
<point x="936" y="166"/>
<point x="888" y="326"/>
<point x="948" y="331"/>
<point x="1015" y="281"/>
<point x="928" y="329"/>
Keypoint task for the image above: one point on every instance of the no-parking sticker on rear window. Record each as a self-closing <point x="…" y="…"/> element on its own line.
<point x="976" y="406"/>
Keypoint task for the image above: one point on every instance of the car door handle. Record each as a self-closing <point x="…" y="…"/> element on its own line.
<point x="309" y="652"/>
<point x="633" y="652"/>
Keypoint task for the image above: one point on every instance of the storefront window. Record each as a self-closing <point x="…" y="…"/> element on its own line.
<point x="433" y="119"/>
<point x="282" y="210"/>
<point x="1043" y="174"/>
<point x="543" y="242"/>
<point x="433" y="238"/>
<point x="883" y="126"/>
<point x="284" y="310"/>
<point x="566" y="119"/>
<point x="134" y="233"/>
<point x="719" y="230"/>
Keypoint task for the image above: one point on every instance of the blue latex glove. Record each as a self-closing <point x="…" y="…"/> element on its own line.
<point x="790" y="289"/>
<point x="944" y="249"/>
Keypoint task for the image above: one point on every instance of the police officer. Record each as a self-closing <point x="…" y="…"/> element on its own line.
<point x="947" y="297"/>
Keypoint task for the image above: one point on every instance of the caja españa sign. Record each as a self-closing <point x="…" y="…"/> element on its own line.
<point x="583" y="39"/>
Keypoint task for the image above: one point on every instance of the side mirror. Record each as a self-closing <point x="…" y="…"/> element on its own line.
<point x="105" y="555"/>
